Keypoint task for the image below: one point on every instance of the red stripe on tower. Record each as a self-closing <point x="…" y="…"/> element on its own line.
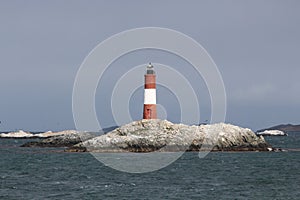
<point x="150" y="94"/>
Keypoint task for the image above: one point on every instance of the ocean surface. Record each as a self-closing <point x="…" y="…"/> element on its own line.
<point x="49" y="173"/>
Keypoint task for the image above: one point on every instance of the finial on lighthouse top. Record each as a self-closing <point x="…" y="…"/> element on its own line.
<point x="150" y="69"/>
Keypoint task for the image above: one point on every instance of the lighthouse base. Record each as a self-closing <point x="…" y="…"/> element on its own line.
<point x="149" y="111"/>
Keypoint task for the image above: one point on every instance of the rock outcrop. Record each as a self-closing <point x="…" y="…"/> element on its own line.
<point x="272" y="133"/>
<point x="17" y="134"/>
<point x="162" y="135"/>
<point x="63" y="140"/>
<point x="22" y="134"/>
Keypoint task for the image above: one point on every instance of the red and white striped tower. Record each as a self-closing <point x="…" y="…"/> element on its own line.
<point x="150" y="94"/>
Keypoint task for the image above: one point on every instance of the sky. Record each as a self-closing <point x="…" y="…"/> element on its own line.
<point x="255" y="45"/>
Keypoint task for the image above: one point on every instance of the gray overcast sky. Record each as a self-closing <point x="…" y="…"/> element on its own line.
<point x="255" y="44"/>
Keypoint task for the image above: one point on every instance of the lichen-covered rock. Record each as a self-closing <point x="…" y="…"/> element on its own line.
<point x="162" y="135"/>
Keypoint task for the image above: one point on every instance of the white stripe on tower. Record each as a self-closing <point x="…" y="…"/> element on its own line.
<point x="150" y="96"/>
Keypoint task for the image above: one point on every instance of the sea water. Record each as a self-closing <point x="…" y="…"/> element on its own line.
<point x="49" y="173"/>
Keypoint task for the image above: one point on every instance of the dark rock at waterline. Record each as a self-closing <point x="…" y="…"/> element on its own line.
<point x="162" y="135"/>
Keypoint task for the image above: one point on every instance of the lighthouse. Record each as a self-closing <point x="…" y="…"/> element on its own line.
<point x="150" y="94"/>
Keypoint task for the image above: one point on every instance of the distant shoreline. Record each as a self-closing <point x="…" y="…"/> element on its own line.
<point x="283" y="127"/>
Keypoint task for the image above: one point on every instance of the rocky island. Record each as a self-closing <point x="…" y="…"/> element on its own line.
<point x="161" y="135"/>
<point x="158" y="135"/>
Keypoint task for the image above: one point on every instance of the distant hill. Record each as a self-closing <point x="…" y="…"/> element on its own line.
<point x="283" y="127"/>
